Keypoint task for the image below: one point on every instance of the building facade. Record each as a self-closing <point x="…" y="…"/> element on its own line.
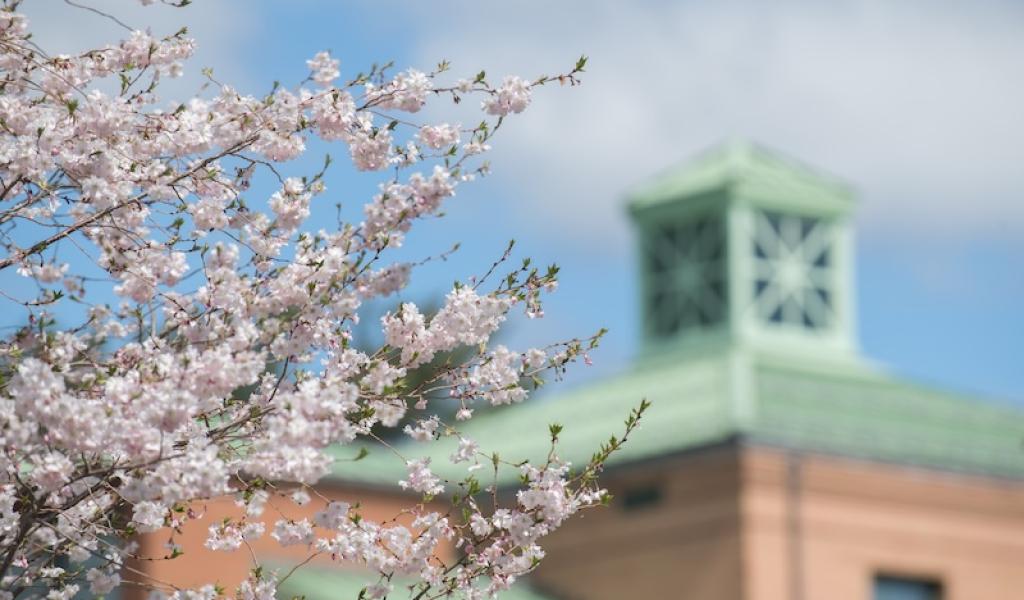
<point x="782" y="464"/>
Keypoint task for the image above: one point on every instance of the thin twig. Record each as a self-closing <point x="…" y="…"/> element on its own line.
<point x="101" y="13"/>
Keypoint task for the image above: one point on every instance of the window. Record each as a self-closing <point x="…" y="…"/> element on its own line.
<point x="641" y="497"/>
<point x="902" y="588"/>
<point x="686" y="273"/>
<point x="793" y="269"/>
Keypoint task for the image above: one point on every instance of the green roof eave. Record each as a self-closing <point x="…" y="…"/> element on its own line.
<point x="847" y="408"/>
<point x="747" y="172"/>
<point x="690" y="407"/>
<point x="327" y="583"/>
<point x="876" y="416"/>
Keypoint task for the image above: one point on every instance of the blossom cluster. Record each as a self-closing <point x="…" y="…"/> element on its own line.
<point x="203" y="346"/>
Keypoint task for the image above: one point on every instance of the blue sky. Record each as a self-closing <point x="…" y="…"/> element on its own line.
<point x="917" y="104"/>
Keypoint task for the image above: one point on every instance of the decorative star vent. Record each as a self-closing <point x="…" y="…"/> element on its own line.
<point x="686" y="272"/>
<point x="793" y="270"/>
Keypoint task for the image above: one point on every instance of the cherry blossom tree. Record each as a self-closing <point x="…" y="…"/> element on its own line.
<point x="182" y="344"/>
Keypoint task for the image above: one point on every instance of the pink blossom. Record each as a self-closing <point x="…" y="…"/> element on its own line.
<point x="324" y="68"/>
<point x="225" y="357"/>
<point x="421" y="478"/>
<point x="513" y="96"/>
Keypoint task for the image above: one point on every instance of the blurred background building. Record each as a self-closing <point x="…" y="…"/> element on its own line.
<point x="777" y="462"/>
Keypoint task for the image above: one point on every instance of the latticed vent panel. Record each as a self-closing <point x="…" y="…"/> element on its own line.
<point x="793" y="263"/>
<point x="686" y="275"/>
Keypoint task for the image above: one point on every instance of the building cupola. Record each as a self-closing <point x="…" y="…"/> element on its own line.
<point x="747" y="247"/>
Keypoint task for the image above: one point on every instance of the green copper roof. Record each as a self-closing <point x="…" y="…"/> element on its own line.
<point x="878" y="417"/>
<point x="322" y="583"/>
<point x="845" y="409"/>
<point x="746" y="171"/>
<point x="590" y="415"/>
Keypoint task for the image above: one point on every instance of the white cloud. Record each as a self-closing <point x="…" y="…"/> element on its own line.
<point x="917" y="104"/>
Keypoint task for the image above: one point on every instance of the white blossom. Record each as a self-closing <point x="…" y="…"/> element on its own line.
<point x="148" y="516"/>
<point x="438" y="136"/>
<point x="324" y="68"/>
<point x="467" y="451"/>
<point x="513" y="96"/>
<point x="102" y="581"/>
<point x="290" y="533"/>
<point x="421" y="478"/>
